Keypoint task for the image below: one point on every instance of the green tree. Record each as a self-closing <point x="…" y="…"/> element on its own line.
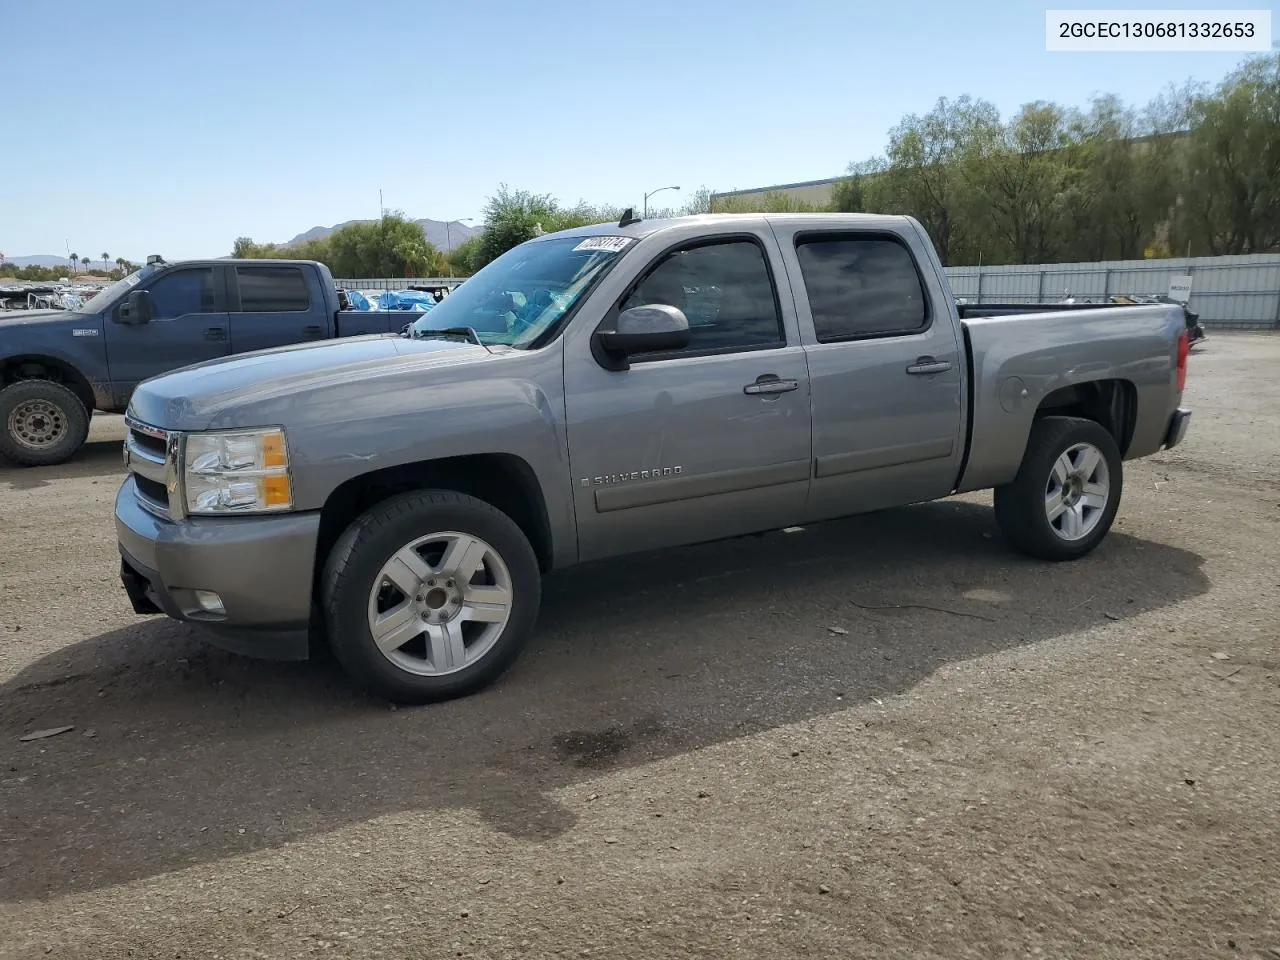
<point x="75" y="261"/>
<point x="463" y="258"/>
<point x="1024" y="172"/>
<point x="1230" y="180"/>
<point x="392" y="246"/>
<point x="699" y="202"/>
<point x="854" y="194"/>
<point x="85" y="262"/>
<point x="930" y="162"/>
<point x="510" y="218"/>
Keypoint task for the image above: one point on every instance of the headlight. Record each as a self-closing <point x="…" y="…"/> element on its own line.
<point x="246" y="471"/>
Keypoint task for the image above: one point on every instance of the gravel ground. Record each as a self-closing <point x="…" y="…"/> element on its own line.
<point x="887" y="736"/>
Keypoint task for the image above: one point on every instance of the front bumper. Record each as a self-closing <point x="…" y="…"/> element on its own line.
<point x="1178" y="424"/>
<point x="259" y="568"/>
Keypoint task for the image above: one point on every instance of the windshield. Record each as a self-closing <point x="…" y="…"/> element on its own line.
<point x="106" y="295"/>
<point x="525" y="291"/>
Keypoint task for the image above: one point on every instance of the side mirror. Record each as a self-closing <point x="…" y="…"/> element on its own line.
<point x="136" y="309"/>
<point x="643" y="329"/>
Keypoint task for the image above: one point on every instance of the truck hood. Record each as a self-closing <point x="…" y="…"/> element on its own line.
<point x="27" y="318"/>
<point x="241" y="390"/>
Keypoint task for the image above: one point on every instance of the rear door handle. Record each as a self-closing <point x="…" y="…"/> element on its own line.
<point x="313" y="330"/>
<point x="924" y="366"/>
<point x="215" y="333"/>
<point x="770" y="383"/>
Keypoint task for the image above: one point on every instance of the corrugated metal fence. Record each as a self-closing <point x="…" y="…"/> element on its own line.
<point x="1241" y="292"/>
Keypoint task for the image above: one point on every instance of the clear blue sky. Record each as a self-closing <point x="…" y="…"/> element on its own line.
<point x="173" y="128"/>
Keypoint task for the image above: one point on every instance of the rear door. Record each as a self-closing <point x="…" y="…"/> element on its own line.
<point x="696" y="444"/>
<point x="885" y="365"/>
<point x="188" y="325"/>
<point x="272" y="305"/>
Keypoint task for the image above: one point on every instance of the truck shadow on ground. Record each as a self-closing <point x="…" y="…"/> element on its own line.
<point x="183" y="755"/>
<point x="97" y="458"/>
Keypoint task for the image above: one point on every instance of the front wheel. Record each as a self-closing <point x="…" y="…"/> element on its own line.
<point x="1065" y="496"/>
<point x="42" y="423"/>
<point x="430" y="595"/>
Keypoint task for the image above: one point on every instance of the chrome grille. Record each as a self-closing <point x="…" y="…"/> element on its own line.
<point x="148" y="455"/>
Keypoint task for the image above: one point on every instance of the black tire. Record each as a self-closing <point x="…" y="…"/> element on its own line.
<point x="1021" y="505"/>
<point x="358" y="558"/>
<point x="41" y="439"/>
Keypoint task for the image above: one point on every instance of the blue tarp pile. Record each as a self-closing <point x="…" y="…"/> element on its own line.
<point x="405" y="300"/>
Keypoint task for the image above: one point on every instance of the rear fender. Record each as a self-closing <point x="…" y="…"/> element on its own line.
<point x="1116" y="366"/>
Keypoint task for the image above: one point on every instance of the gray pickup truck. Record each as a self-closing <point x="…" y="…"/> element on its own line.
<point x="614" y="389"/>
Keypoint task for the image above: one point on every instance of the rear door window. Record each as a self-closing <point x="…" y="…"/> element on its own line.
<point x="861" y="287"/>
<point x="272" y="289"/>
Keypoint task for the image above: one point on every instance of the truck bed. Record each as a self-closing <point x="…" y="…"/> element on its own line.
<point x="358" y="323"/>
<point x="1050" y="357"/>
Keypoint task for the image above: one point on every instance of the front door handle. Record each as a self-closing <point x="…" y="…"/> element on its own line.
<point x="770" y="383"/>
<point x="924" y="366"/>
<point x="215" y="333"/>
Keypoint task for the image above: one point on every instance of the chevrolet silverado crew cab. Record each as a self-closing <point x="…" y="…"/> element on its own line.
<point x="613" y="389"/>
<point x="57" y="367"/>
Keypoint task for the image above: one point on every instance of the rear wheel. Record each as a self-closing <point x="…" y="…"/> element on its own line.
<point x="41" y="423"/>
<point x="430" y="595"/>
<point x="1067" y="491"/>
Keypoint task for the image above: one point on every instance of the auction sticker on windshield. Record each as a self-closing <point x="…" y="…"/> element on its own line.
<point x="609" y="244"/>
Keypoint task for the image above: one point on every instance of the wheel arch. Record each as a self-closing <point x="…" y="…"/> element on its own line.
<point x="503" y="480"/>
<point x="43" y="367"/>
<point x="1112" y="403"/>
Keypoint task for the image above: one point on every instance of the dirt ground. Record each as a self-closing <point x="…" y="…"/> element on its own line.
<point x="884" y="737"/>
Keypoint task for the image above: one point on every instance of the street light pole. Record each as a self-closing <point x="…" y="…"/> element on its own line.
<point x="650" y="194"/>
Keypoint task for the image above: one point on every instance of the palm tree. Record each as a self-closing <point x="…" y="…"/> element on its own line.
<point x="75" y="259"/>
<point x="106" y="261"/>
<point x="120" y="262"/>
<point x="85" y="261"/>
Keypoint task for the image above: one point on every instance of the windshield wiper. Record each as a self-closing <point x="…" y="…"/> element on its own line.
<point x="468" y="332"/>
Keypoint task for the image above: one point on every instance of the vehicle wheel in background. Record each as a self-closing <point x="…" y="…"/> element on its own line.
<point x="41" y="423"/>
<point x="430" y="595"/>
<point x="1065" y="496"/>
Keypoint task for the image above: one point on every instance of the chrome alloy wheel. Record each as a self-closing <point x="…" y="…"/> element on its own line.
<point x="1077" y="492"/>
<point x="440" y="603"/>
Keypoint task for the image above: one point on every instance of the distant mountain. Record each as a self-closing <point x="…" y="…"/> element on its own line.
<point x="442" y="236"/>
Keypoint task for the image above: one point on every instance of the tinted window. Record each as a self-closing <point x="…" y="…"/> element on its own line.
<point x="272" y="289"/>
<point x="182" y="292"/>
<point x="861" y="287"/>
<point x="724" y="289"/>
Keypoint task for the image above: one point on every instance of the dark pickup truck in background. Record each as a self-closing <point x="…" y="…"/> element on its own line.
<point x="57" y="367"/>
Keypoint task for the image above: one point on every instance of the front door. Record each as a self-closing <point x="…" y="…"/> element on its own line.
<point x="702" y="443"/>
<point x="188" y="325"/>
<point x="885" y="363"/>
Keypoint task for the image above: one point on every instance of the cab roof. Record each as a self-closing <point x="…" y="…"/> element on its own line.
<point x="643" y="228"/>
